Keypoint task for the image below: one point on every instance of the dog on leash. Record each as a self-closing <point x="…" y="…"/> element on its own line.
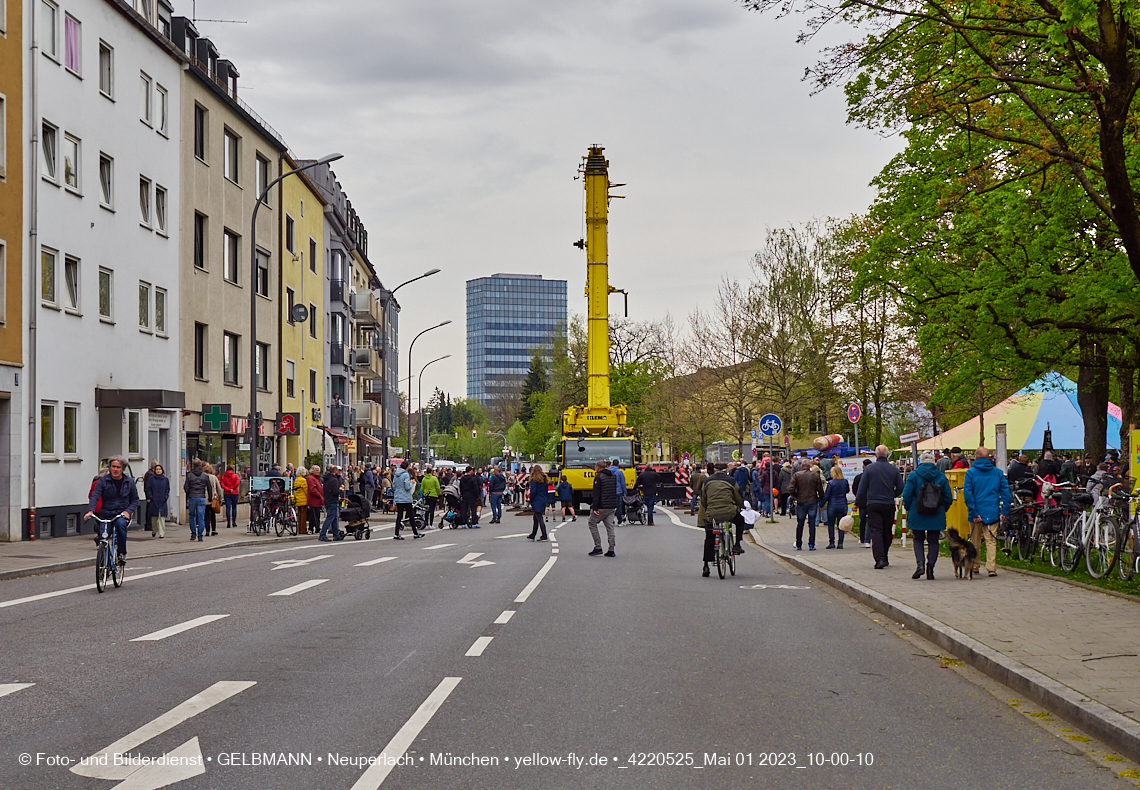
<point x="964" y="555"/>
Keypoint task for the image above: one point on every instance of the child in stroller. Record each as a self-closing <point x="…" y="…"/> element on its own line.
<point x="634" y="507"/>
<point x="354" y="517"/>
<point x="452" y="512"/>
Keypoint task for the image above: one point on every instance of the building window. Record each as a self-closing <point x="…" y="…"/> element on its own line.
<point x="230" y="358"/>
<point x="49" y="29"/>
<point x="262" y="360"/>
<point x="146" y="8"/>
<point x="262" y="282"/>
<point x="162" y="110"/>
<point x="160" y="311"/>
<point x="160" y="209"/>
<point x="312" y="386"/>
<point x="290" y="295"/>
<point x="47" y="276"/>
<point x="50" y="151"/>
<point x="231" y="162"/>
<point x="71" y="162"/>
<point x="200" y="338"/>
<point x="290" y="373"/>
<point x="70" y="430"/>
<point x="336" y="330"/>
<point x="47" y="429"/>
<point x="71" y="42"/>
<point x="144" y="305"/>
<point x="106" y="180"/>
<point x="231" y="249"/>
<point x="144" y="201"/>
<point x="106" y="70"/>
<point x="313" y="256"/>
<point x="263" y="177"/>
<point x="144" y="98"/>
<point x="199" y="241"/>
<point x="134" y="435"/>
<point x="106" y="294"/>
<point x="290" y="235"/>
<point x="312" y="320"/>
<point x="200" y="127"/>
<point x="71" y="283"/>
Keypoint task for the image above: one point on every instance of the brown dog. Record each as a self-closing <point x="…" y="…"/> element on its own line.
<point x="964" y="555"/>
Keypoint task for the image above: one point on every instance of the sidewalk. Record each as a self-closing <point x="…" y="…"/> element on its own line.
<point x="1071" y="649"/>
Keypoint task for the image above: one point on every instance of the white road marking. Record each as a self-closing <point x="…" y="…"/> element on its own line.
<point x="152" y="777"/>
<point x="379" y="770"/>
<point x="101" y="765"/>
<point x="471" y="558"/>
<point x="12" y="688"/>
<point x="298" y="563"/>
<point x="372" y="562"/>
<point x="296" y="588"/>
<point x="772" y="587"/>
<point x="479" y="646"/>
<point x="177" y="629"/>
<point x="440" y="546"/>
<point x="554" y="551"/>
<point x="516" y="535"/>
<point x="538" y="577"/>
<point x="677" y="520"/>
<point x="505" y="617"/>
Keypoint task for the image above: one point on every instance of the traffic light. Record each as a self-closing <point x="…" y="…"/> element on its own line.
<point x="474" y="433"/>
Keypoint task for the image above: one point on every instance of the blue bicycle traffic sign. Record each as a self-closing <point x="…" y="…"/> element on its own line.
<point x="753" y="434"/>
<point x="770" y="425"/>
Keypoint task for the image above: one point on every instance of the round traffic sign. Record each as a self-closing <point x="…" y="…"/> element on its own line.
<point x="770" y="425"/>
<point x="854" y="413"/>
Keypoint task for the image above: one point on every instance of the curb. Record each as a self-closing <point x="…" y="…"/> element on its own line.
<point x="1115" y="730"/>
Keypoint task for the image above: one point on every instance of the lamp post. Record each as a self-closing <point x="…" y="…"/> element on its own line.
<point x="385" y="298"/>
<point x="254" y="423"/>
<point x="420" y="404"/>
<point x="410" y="347"/>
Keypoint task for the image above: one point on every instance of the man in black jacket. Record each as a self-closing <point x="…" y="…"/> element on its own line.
<point x="331" y="485"/>
<point x="470" y="495"/>
<point x="603" y="505"/>
<point x="648" y="481"/>
<point x="881" y="482"/>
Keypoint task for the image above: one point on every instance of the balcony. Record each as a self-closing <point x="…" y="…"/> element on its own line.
<point x="342" y="416"/>
<point x="365" y="308"/>
<point x="338" y="292"/>
<point x="367" y="414"/>
<point x="338" y="354"/>
<point x="366" y="363"/>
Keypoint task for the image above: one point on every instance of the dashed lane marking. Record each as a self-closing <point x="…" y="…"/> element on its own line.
<point x="505" y="617"/>
<point x="298" y="563"/>
<point x="538" y="577"/>
<point x="177" y="629"/>
<point x="516" y="535"/>
<point x="372" y="562"/>
<point x="296" y="588"/>
<point x="479" y="646"/>
<point x="439" y="546"/>
<point x="12" y="688"/>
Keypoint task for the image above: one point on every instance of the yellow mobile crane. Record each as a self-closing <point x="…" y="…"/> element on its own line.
<point x="597" y="430"/>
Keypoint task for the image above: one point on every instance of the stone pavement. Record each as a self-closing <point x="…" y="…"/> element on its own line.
<point x="1081" y="638"/>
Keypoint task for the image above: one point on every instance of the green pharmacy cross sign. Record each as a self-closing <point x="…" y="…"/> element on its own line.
<point x="215" y="416"/>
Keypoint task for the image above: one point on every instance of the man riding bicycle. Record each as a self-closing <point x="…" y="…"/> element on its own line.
<point x="114" y="497"/>
<point x="721" y="501"/>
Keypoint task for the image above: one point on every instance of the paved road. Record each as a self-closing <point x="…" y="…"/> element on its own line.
<point x="632" y="660"/>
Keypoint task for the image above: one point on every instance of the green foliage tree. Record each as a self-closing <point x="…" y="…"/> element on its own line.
<point x="536" y="382"/>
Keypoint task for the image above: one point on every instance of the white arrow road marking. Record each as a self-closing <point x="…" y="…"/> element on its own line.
<point x="298" y="563"/>
<point x="505" y="617"/>
<point x="470" y="560"/>
<point x="479" y="646"/>
<point x="12" y="688"/>
<point x="96" y="768"/>
<point x="379" y="770"/>
<point x="373" y="562"/>
<point x="439" y="546"/>
<point x="516" y="535"/>
<point x="177" y="629"/>
<point x="538" y="577"/>
<point x="187" y="762"/>
<point x="296" y="588"/>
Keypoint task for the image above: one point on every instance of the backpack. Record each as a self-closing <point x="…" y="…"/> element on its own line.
<point x="929" y="499"/>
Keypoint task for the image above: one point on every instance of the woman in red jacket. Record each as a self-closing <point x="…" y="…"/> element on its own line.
<point x="231" y="488"/>
<point x="316" y="498"/>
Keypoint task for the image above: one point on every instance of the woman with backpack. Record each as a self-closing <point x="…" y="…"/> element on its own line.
<point x="926" y="497"/>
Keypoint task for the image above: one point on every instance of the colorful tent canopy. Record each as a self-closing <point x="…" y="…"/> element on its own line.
<point x="1050" y="402"/>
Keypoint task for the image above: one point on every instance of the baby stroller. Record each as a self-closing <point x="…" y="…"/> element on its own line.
<point x="633" y="507"/>
<point x="452" y="512"/>
<point x="354" y="517"/>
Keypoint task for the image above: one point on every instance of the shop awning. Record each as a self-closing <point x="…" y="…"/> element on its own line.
<point x="139" y="399"/>
<point x="368" y="439"/>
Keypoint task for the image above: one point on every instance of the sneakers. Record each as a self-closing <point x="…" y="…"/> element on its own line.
<point x="610" y="553"/>
<point x="394" y="537"/>
<point x="573" y="518"/>
<point x="738" y="550"/>
<point x="596" y="552"/>
<point x="830" y="546"/>
<point x="540" y="540"/>
<point x="417" y="535"/>
<point x="705" y="572"/>
<point x="530" y="537"/>
<point x="811" y="548"/>
<point x="122" y="560"/>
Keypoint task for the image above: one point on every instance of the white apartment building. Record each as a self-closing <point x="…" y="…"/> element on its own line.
<point x="102" y="164"/>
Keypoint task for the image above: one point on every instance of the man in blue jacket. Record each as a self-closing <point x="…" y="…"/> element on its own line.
<point x="987" y="503"/>
<point x="495" y="488"/>
<point x="114" y="497"/>
<point x="615" y="467"/>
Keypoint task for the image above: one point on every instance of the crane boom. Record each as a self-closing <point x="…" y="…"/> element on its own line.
<point x="597" y="278"/>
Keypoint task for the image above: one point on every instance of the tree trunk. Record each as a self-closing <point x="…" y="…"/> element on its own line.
<point x="1092" y="396"/>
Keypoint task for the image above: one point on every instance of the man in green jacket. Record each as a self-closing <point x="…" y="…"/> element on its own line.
<point x="429" y="487"/>
<point x="720" y="501"/>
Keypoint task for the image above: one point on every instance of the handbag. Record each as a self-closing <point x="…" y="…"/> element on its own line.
<point x="216" y="502"/>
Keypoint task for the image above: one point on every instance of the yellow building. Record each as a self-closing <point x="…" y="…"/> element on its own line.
<point x="13" y="470"/>
<point x="302" y="279"/>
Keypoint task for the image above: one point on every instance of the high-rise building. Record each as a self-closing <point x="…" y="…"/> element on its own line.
<point x="510" y="317"/>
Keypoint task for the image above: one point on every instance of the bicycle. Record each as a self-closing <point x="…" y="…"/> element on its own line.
<point x="722" y="549"/>
<point x="1091" y="533"/>
<point x="106" y="556"/>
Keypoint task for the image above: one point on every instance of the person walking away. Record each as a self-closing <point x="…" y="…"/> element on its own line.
<point x="114" y="497"/>
<point x="196" y="486"/>
<point x="835" y="496"/>
<point x="695" y="483"/>
<point x="565" y="493"/>
<point x="430" y="488"/>
<point x="157" y="492"/>
<point x="495" y="489"/>
<point x="721" y="502"/>
<point x="1048" y="468"/>
<point x="603" y="505"/>
<point x="742" y="478"/>
<point x="619" y="478"/>
<point x="470" y="491"/>
<point x="538" y="489"/>
<point x="864" y="527"/>
<point x="807" y="488"/>
<point x="300" y="485"/>
<point x="648" y="481"/>
<point x="880" y="484"/>
<point x="231" y="488"/>
<point x="213" y="497"/>
<point x="987" y="503"/>
<point x="368" y="485"/>
<point x="402" y="489"/>
<point x="784" y="484"/>
<point x="946" y="462"/>
<point x="926" y="497"/>
<point x="331" y="487"/>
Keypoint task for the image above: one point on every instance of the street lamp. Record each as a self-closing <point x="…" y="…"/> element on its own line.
<point x="385" y="297"/>
<point x="254" y="424"/>
<point x="410" y="347"/>
<point x="420" y="405"/>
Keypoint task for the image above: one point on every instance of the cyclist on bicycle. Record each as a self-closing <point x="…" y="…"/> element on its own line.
<point x="721" y="501"/>
<point x="119" y="500"/>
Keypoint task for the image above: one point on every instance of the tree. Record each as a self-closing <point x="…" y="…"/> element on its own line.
<point x="536" y="382"/>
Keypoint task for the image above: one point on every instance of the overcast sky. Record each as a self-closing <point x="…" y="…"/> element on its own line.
<point x="462" y="126"/>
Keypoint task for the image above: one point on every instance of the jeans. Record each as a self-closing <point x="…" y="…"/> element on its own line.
<point x="605" y="517"/>
<point x="197" y="505"/>
<point x="835" y="512"/>
<point x="497" y="507"/>
<point x="650" y="501"/>
<point x="618" y="511"/>
<point x="930" y="536"/>
<point x="764" y="502"/>
<point x="231" y="509"/>
<point x="332" y="518"/>
<point x="810" y="511"/>
<point x="366" y="492"/>
<point x="693" y="504"/>
<point x="120" y="525"/>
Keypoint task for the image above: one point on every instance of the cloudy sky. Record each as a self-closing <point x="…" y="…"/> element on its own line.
<point x="463" y="124"/>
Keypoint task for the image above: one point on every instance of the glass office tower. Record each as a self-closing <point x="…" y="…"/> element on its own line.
<point x="510" y="317"/>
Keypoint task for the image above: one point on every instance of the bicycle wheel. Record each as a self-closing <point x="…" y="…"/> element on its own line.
<point x="101" y="567"/>
<point x="1126" y="564"/>
<point x="1071" y="547"/>
<point x="278" y="521"/>
<point x="721" y="561"/>
<point x="291" y="521"/>
<point x="1102" y="547"/>
<point x="731" y="562"/>
<point x="118" y="572"/>
<point x="1024" y="544"/>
